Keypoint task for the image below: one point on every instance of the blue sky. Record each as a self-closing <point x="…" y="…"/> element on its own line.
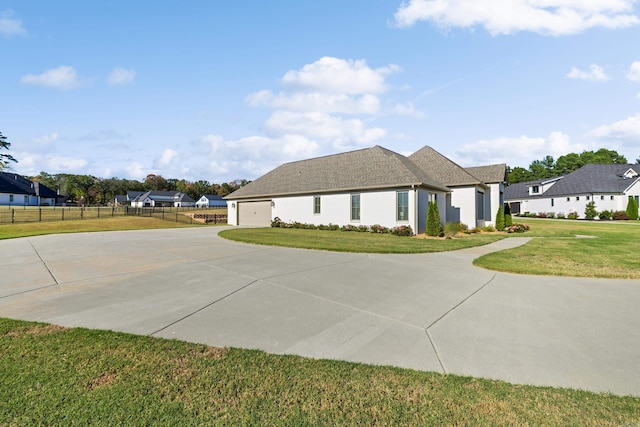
<point x="227" y="90"/>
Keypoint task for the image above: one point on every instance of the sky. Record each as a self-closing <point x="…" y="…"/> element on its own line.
<point x="218" y="91"/>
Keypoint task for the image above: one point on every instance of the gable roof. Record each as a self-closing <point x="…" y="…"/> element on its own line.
<point x="592" y="178"/>
<point x="212" y="197"/>
<point x="368" y="168"/>
<point x="18" y="184"/>
<point x="489" y="174"/>
<point x="164" y="196"/>
<point x="443" y="169"/>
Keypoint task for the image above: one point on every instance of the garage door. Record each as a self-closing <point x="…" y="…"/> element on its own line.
<point x="254" y="213"/>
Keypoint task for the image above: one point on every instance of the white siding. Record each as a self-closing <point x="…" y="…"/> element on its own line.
<point x="463" y="206"/>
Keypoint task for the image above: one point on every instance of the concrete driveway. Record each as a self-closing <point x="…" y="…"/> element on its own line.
<point x="432" y="312"/>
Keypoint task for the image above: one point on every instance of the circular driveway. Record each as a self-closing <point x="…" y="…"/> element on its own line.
<point x="434" y="312"/>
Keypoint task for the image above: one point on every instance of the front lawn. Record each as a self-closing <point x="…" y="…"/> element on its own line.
<point x="56" y="376"/>
<point x="352" y="241"/>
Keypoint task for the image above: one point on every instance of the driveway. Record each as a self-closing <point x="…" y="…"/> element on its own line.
<point x="434" y="312"/>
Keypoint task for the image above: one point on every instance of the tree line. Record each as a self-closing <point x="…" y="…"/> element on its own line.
<point x="99" y="191"/>
<point x="549" y="168"/>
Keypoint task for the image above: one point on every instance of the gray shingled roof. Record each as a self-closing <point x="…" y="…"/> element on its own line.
<point x="594" y="178"/>
<point x="489" y="174"/>
<point x="10" y="182"/>
<point x="165" y="196"/>
<point x="374" y="167"/>
<point x="442" y="169"/>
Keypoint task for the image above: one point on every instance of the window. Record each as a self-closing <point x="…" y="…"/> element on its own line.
<point x="568" y="199"/>
<point x="480" y="205"/>
<point x="355" y="207"/>
<point x="577" y="198"/>
<point x="535" y="189"/>
<point x="612" y="197"/>
<point x="316" y="204"/>
<point x="10" y="198"/>
<point x="553" y="202"/>
<point x="601" y="197"/>
<point x="26" y="200"/>
<point x="402" y="205"/>
<point x="588" y="197"/>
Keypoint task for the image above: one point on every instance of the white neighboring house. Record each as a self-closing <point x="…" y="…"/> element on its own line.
<point x="155" y="198"/>
<point x="367" y="187"/>
<point x="16" y="190"/>
<point x="211" y="201"/>
<point x="609" y="186"/>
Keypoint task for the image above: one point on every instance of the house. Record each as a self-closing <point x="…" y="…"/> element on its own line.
<point x="211" y="201"/>
<point x="369" y="186"/>
<point x="609" y="186"/>
<point x="16" y="190"/>
<point x="125" y="199"/>
<point x="156" y="198"/>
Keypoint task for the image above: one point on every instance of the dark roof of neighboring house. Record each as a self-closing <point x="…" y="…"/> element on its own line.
<point x="213" y="197"/>
<point x="120" y="198"/>
<point x="489" y="174"/>
<point x="368" y="168"/>
<point x="442" y="169"/>
<point x="589" y="179"/>
<point x="165" y="196"/>
<point x="133" y="194"/>
<point x="14" y="183"/>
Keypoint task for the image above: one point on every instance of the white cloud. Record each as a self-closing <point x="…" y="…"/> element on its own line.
<point x="168" y="157"/>
<point x="47" y="139"/>
<point x="33" y="164"/>
<point x="634" y="72"/>
<point x="9" y="26"/>
<point x="595" y="74"/>
<point x="63" y="77"/>
<point x="314" y="101"/>
<point x="550" y="17"/>
<point x="408" y="109"/>
<point x="627" y="129"/>
<point x="520" y="151"/>
<point x="121" y="76"/>
<point x="335" y="75"/>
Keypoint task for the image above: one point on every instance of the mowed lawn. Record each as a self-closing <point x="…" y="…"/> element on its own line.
<point x="55" y="376"/>
<point x="573" y="248"/>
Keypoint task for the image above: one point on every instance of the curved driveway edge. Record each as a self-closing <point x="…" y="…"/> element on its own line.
<point x="433" y="312"/>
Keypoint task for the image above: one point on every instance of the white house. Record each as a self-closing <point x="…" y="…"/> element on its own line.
<point x="162" y="199"/>
<point x="367" y="187"/>
<point x="211" y="201"/>
<point x="608" y="186"/>
<point x="16" y="190"/>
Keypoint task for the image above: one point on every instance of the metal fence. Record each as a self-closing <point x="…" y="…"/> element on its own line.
<point x="26" y="214"/>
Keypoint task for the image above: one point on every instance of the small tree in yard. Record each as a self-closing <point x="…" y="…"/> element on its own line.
<point x="500" y="219"/>
<point x="590" y="211"/>
<point x="632" y="208"/>
<point x="433" y="220"/>
<point x="5" y="158"/>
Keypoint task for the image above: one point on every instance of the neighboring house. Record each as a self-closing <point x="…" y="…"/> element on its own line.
<point x="16" y="190"/>
<point x="162" y="199"/>
<point x="367" y="187"/>
<point x="609" y="186"/>
<point x="211" y="201"/>
<point x="125" y="199"/>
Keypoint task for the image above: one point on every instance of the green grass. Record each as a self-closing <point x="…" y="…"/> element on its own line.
<point x="613" y="252"/>
<point x="55" y="376"/>
<point x="342" y="241"/>
<point x="8" y="231"/>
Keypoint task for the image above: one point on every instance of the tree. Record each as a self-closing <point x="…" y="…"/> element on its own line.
<point x="518" y="174"/>
<point x="433" y="219"/>
<point x="5" y="158"/>
<point x="508" y="219"/>
<point x="590" y="210"/>
<point x="632" y="208"/>
<point x="500" y="219"/>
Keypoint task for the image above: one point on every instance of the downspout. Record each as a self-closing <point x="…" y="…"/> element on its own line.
<point x="415" y="209"/>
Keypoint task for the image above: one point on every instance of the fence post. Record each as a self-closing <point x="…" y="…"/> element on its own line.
<point x="98" y="212"/>
<point x="62" y="210"/>
<point x="39" y="214"/>
<point x="81" y="213"/>
<point x="176" y="216"/>
<point x="13" y="216"/>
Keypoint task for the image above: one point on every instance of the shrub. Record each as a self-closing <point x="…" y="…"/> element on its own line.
<point x="542" y="215"/>
<point x="518" y="228"/>
<point x="500" y="218"/>
<point x="620" y="215"/>
<point x="402" y="230"/>
<point x="434" y="228"/>
<point x="508" y="220"/>
<point x="604" y="215"/>
<point x="573" y="215"/>
<point x="590" y="210"/>
<point x="363" y="228"/>
<point x="560" y="215"/>
<point x="632" y="208"/>
<point x="453" y="228"/>
<point x="488" y="228"/>
<point x="276" y="223"/>
<point x="551" y="214"/>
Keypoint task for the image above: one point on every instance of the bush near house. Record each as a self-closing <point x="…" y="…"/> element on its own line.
<point x="620" y="215"/>
<point x="402" y="230"/>
<point x="605" y="215"/>
<point x="434" y="228"/>
<point x="453" y="228"/>
<point x="500" y="219"/>
<point x="560" y="215"/>
<point x="508" y="220"/>
<point x="632" y="208"/>
<point x="518" y="228"/>
<point x="590" y="210"/>
<point x="573" y="215"/>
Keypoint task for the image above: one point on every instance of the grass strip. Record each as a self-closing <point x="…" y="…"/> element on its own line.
<point x="343" y="241"/>
<point x="55" y="376"/>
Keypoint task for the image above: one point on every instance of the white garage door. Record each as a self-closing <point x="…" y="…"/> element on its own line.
<point x="254" y="213"/>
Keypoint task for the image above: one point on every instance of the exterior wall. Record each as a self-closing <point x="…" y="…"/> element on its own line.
<point x="494" y="198"/>
<point x="463" y="206"/>
<point x="611" y="202"/>
<point x="19" y="200"/>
